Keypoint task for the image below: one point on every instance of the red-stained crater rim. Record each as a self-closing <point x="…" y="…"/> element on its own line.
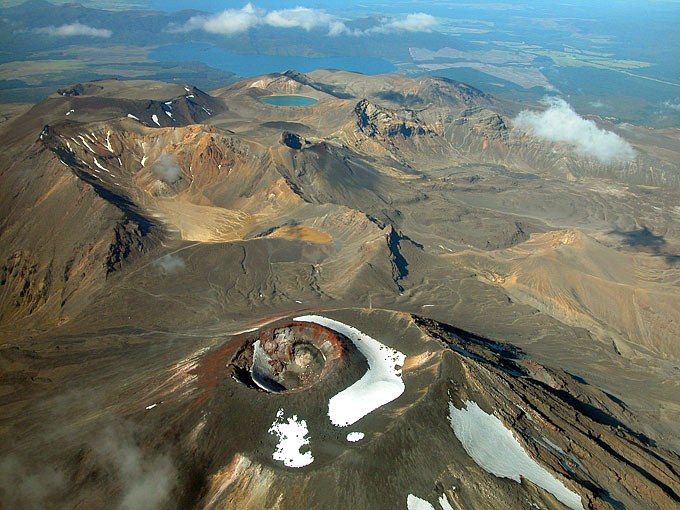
<point x="288" y="357"/>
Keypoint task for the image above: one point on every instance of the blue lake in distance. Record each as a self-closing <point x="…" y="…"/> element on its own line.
<point x="254" y="65"/>
<point x="288" y="100"/>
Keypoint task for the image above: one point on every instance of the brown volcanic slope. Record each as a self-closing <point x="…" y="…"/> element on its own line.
<point x="143" y="224"/>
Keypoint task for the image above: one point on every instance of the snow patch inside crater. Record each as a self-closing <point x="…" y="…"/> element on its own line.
<point x="381" y="384"/>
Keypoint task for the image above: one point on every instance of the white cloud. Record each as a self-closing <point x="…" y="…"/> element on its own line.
<point x="146" y="477"/>
<point x="336" y="28"/>
<point x="561" y="124"/>
<point x="672" y="105"/>
<point x="416" y="22"/>
<point x="167" y="169"/>
<point x="236" y="21"/>
<point x="228" y="22"/>
<point x="299" y="17"/>
<point x="28" y="485"/>
<point x="74" y="29"/>
<point x="169" y="264"/>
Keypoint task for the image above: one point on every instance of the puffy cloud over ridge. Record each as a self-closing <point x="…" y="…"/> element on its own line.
<point x="561" y="124"/>
<point x="74" y="29"/>
<point x="236" y="21"/>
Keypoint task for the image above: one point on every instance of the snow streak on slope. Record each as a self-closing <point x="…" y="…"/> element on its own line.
<point x="380" y="385"/>
<point x="445" y="503"/>
<point x="108" y="141"/>
<point x="493" y="447"/>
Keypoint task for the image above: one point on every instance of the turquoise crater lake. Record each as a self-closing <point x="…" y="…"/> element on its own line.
<point x="288" y="100"/>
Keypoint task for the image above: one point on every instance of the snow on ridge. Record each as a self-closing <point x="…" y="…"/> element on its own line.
<point x="132" y="116"/>
<point x="495" y="449"/>
<point x="380" y="385"/>
<point x="143" y="160"/>
<point x="353" y="437"/>
<point x="293" y="435"/>
<point x="154" y="118"/>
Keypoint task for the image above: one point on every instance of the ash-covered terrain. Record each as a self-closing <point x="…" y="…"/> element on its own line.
<point x="406" y="294"/>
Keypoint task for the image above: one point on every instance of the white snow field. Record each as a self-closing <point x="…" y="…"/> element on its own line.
<point x="415" y="503"/>
<point x="493" y="447"/>
<point x="353" y="437"/>
<point x="293" y="435"/>
<point x="381" y="384"/>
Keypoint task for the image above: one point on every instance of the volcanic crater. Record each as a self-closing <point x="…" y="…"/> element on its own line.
<point x="292" y="357"/>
